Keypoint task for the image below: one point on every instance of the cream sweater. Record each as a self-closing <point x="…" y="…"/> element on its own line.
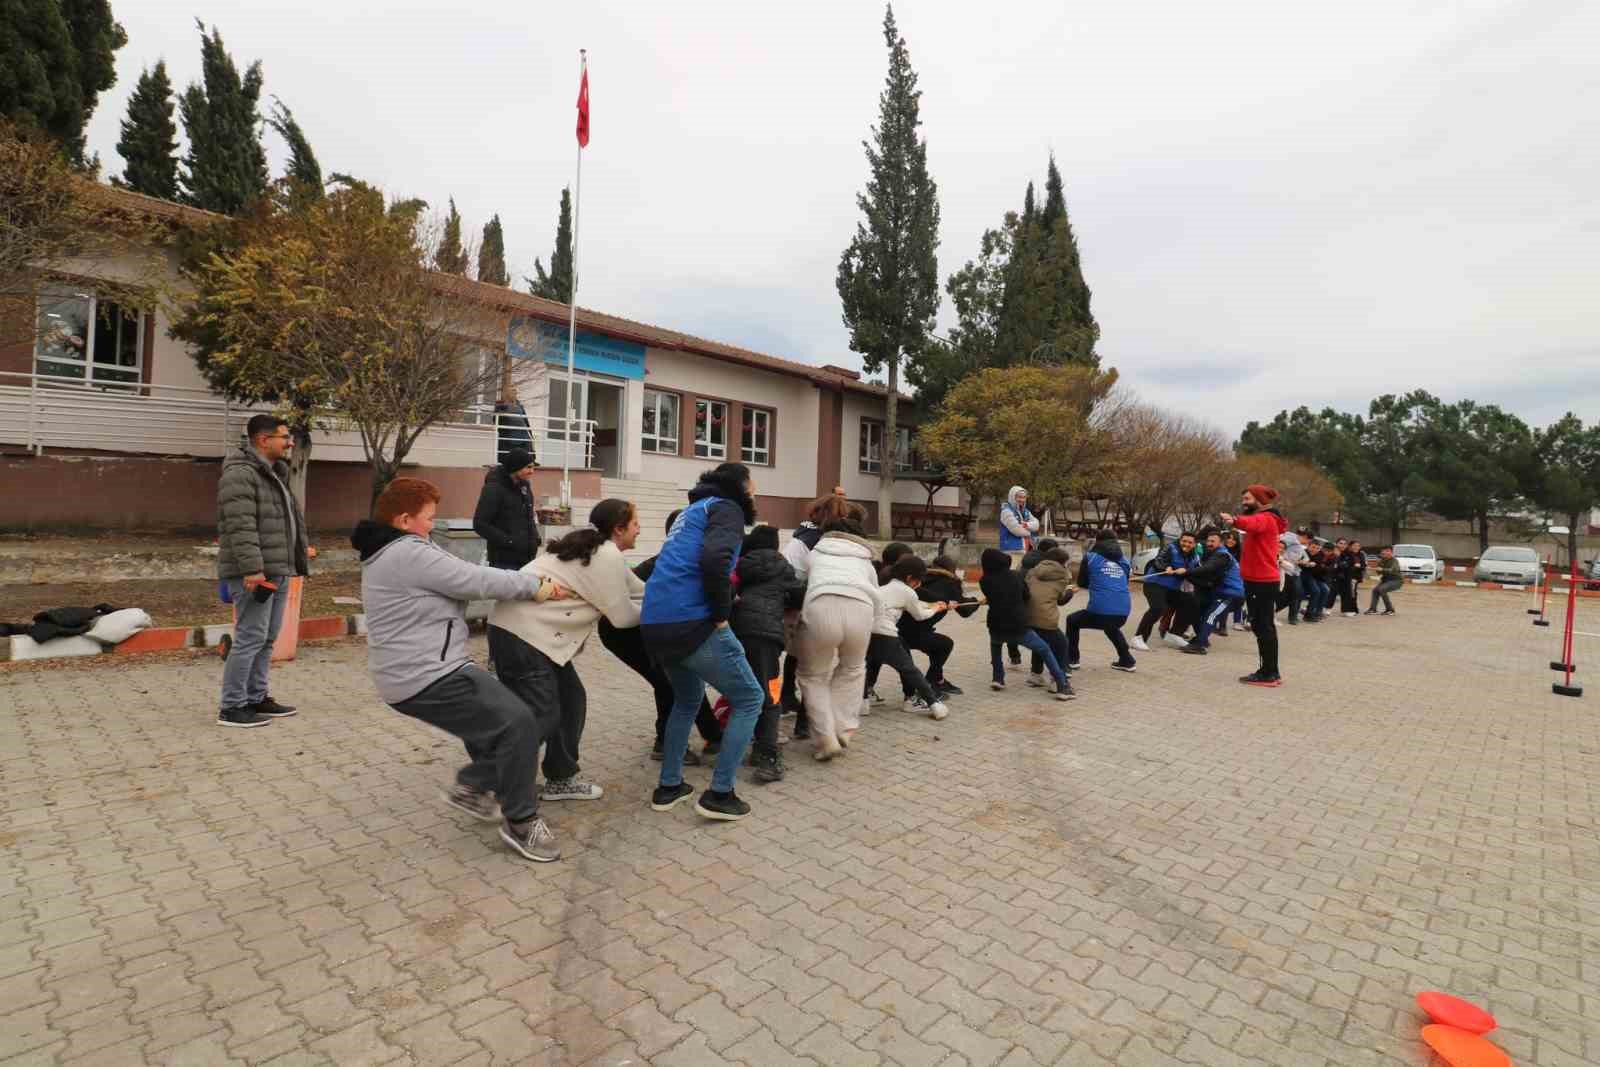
<point x="894" y="599"/>
<point x="558" y="628"/>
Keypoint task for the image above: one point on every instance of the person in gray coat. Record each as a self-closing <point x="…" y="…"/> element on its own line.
<point x="261" y="544"/>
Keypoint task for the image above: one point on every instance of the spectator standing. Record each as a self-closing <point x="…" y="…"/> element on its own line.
<point x="1262" y="525"/>
<point x="261" y="544"/>
<point x="1290" y="559"/>
<point x="1018" y="527"/>
<point x="505" y="516"/>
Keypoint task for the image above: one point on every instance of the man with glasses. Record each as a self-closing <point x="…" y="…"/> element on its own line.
<point x="261" y="544"/>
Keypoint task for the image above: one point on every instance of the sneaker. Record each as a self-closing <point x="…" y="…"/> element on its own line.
<point x="242" y="717"/>
<point x="1292" y="622"/>
<point x="866" y="708"/>
<point x="873" y="697"/>
<point x="691" y="758"/>
<point x="570" y="789"/>
<point x="1266" y="681"/>
<point x="724" y="807"/>
<point x="802" y="730"/>
<point x="1125" y="668"/>
<point x="828" y="752"/>
<point x="1389" y="612"/>
<point x="1193" y="649"/>
<point x="1036" y="681"/>
<point x="1075" y="666"/>
<point x="916" y="704"/>
<point x="1175" y="641"/>
<point x="997" y="685"/>
<point x="1064" y="691"/>
<point x="531" y="840"/>
<point x="948" y="688"/>
<point x="937" y="710"/>
<point x="272" y="709"/>
<point x="1372" y="611"/>
<point x="475" y="802"/>
<point x="767" y="766"/>
<point x="667" y="797"/>
<point x="1138" y="645"/>
<point x="1352" y="614"/>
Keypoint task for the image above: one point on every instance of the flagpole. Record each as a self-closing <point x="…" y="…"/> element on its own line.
<point x="572" y="306"/>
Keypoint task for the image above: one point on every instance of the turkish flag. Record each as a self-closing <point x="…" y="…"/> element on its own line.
<point x="583" y="109"/>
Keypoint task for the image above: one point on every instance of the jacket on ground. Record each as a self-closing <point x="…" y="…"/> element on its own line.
<point x="260" y="527"/>
<point x="604" y="587"/>
<point x="415" y="595"/>
<point x="1258" y="560"/>
<point x="505" y="520"/>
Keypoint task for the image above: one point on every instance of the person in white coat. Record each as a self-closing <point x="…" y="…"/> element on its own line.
<point x="835" y="629"/>
<point x="1018" y="527"/>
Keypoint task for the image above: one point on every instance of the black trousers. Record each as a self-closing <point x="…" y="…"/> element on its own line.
<point x="933" y="644"/>
<point x="501" y="732"/>
<point x="1262" y="600"/>
<point x="550" y="689"/>
<point x="628" y="646"/>
<point x="1112" y="625"/>
<point x="1347" y="594"/>
<point x="1157" y="597"/>
<point x="886" y="651"/>
<point x="763" y="657"/>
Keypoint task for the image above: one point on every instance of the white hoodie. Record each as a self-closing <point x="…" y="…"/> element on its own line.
<point x="895" y="599"/>
<point x="841" y="565"/>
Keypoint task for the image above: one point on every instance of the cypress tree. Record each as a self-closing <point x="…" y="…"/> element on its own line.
<point x="56" y="57"/>
<point x="149" y="142"/>
<point x="888" y="278"/>
<point x="1055" y="196"/>
<point x="303" y="170"/>
<point x="492" y="254"/>
<point x="1045" y="314"/>
<point x="227" y="167"/>
<point x="557" y="284"/>
<point x="451" y="258"/>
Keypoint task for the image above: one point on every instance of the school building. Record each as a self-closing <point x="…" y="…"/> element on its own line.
<point x="106" y="422"/>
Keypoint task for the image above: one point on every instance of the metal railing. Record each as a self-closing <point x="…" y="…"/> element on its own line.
<point x="41" y="411"/>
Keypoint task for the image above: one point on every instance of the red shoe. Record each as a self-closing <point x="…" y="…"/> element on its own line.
<point x="1265" y="681"/>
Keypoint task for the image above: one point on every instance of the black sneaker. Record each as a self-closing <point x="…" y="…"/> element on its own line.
<point x="1016" y="661"/>
<point x="691" y="758"/>
<point x="802" y="730"/>
<point x="1389" y="612"/>
<point x="767" y="766"/>
<point x="1372" y="611"/>
<point x="948" y="688"/>
<point x="724" y="807"/>
<point x="1127" y="668"/>
<point x="1193" y="649"/>
<point x="245" y="717"/>
<point x="667" y="797"/>
<point x="272" y="709"/>
<point x="1064" y="692"/>
<point x="1265" y="681"/>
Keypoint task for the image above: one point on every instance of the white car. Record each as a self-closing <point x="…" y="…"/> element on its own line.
<point x="1419" y="563"/>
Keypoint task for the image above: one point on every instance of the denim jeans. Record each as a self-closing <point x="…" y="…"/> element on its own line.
<point x="1033" y="643"/>
<point x="719" y="661"/>
<point x="1312" y="591"/>
<point x="1383" y="589"/>
<point x="255" y="628"/>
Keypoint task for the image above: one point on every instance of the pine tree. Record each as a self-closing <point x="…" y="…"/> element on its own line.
<point x="557" y="284"/>
<point x="889" y="275"/>
<point x="1045" y="314"/>
<point x="149" y="142"/>
<point x="303" y="171"/>
<point x="56" y="57"/>
<point x="451" y="258"/>
<point x="492" y="254"/>
<point x="227" y="167"/>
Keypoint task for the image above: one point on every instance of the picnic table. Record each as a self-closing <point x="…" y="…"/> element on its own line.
<point x="918" y="524"/>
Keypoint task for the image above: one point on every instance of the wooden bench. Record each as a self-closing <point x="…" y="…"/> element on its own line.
<point x="919" y="524"/>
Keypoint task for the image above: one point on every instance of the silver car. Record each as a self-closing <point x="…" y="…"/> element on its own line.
<point x="1509" y="565"/>
<point x="1419" y="563"/>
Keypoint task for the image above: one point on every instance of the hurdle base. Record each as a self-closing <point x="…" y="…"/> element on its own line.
<point x="1541" y="622"/>
<point x="1566" y="690"/>
<point x="1557" y="665"/>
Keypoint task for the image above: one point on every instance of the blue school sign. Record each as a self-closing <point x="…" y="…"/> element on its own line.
<point x="596" y="353"/>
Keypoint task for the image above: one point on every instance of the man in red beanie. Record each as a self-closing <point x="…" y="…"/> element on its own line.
<point x="1262" y="525"/>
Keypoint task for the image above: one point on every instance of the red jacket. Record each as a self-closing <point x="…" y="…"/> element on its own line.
<point x="1259" y="556"/>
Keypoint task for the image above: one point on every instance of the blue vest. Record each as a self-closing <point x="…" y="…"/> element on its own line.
<point x="1232" y="583"/>
<point x="1108" y="585"/>
<point x="1010" y="542"/>
<point x="1171" y="556"/>
<point x="675" y="592"/>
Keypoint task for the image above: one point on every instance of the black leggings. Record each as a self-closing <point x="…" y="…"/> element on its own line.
<point x="628" y="646"/>
<point x="1156" y="596"/>
<point x="936" y="646"/>
<point x="891" y="652"/>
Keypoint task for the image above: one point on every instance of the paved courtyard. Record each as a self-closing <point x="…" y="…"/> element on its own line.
<point x="1172" y="869"/>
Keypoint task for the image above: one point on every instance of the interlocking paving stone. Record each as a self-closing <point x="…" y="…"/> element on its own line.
<point x="1171" y="869"/>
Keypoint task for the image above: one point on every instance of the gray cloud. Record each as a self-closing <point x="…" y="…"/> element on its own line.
<point x="1371" y="198"/>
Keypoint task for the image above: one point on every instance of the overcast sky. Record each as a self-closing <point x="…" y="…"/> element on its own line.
<point x="1277" y="204"/>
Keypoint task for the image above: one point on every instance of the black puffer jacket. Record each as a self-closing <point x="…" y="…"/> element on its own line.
<point x="504" y="519"/>
<point x="938" y="585"/>
<point x="1007" y="595"/>
<point x="767" y="586"/>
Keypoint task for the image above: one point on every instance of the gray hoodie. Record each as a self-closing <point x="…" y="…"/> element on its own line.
<point x="415" y="594"/>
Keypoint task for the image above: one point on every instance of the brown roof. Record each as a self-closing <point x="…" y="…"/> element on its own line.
<point x="505" y="299"/>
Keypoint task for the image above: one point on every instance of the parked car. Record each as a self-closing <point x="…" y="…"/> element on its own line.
<point x="1591" y="574"/>
<point x="1511" y="565"/>
<point x="1420" y="563"/>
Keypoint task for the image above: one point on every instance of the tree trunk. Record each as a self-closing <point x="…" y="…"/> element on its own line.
<point x="300" y="466"/>
<point x="1572" y="540"/>
<point x="889" y="453"/>
<point x="383" y="472"/>
<point x="1483" y="533"/>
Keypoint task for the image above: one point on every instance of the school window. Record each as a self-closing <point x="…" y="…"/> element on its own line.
<point x="710" y="429"/>
<point x="871" y="456"/>
<point x="660" y="431"/>
<point x="82" y="338"/>
<point x="755" y="437"/>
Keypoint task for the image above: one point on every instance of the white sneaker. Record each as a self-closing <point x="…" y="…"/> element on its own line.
<point x="914" y="703"/>
<point x="1138" y="644"/>
<point x="938" y="710"/>
<point x="866" y="707"/>
<point x="1036" y="681"/>
<point x="1352" y="614"/>
<point x="872" y="695"/>
<point x="1174" y="640"/>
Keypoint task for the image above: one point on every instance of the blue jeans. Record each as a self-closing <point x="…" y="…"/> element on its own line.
<point x="255" y="628"/>
<point x="1033" y="643"/>
<point x="719" y="661"/>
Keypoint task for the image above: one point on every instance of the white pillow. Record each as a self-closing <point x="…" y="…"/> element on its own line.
<point x="118" y="626"/>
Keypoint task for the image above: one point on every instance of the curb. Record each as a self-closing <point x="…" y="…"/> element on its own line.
<point x="170" y="639"/>
<point x="166" y="639"/>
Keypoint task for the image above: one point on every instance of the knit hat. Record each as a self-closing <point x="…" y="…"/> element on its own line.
<point x="1264" y="494"/>
<point x="515" y="460"/>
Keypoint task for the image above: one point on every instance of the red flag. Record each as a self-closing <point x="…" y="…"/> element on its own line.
<point x="583" y="109"/>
